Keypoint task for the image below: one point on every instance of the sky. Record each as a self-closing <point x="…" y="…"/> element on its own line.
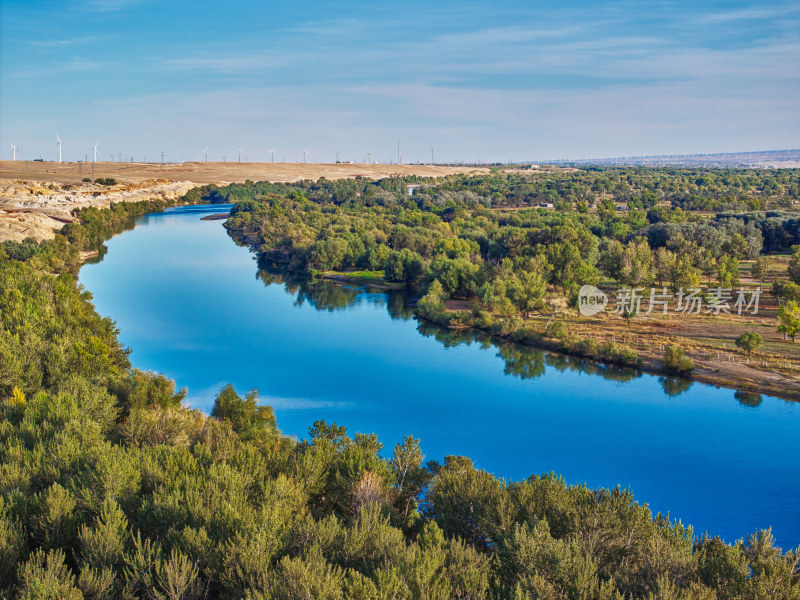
<point x="469" y="81"/>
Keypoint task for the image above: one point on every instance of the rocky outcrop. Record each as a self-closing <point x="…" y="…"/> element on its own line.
<point x="38" y="209"/>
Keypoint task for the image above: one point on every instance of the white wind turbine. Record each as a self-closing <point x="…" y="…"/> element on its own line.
<point x="272" y="153"/>
<point x="14" y="149"/>
<point x="59" y="147"/>
<point x="304" y="154"/>
<point x="205" y="150"/>
<point x="96" y="152"/>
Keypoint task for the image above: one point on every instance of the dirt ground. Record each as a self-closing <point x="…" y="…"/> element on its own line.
<point x="37" y="198"/>
<point x="214" y="172"/>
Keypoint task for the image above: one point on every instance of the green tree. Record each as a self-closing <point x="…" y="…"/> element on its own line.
<point x="245" y="415"/>
<point x="328" y="255"/>
<point x="403" y="266"/>
<point x="631" y="265"/>
<point x="45" y="576"/>
<point x="789" y="319"/>
<point x="684" y="274"/>
<point x="793" y="269"/>
<point x="664" y="263"/>
<point x="526" y="290"/>
<point x="750" y="342"/>
<point x="431" y="305"/>
<point x="761" y="267"/>
<point x="150" y="390"/>
<point x="459" y="276"/>
<point x="728" y="271"/>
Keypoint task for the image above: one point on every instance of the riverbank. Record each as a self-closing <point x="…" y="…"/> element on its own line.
<point x="707" y="340"/>
<point x="39" y="209"/>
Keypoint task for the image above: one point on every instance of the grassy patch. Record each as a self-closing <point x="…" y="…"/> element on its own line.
<point x="370" y="275"/>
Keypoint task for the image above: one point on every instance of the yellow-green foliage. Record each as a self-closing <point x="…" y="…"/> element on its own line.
<point x="18" y="398"/>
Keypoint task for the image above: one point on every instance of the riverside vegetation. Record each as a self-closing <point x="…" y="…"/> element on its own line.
<point x="492" y="251"/>
<point x="110" y="488"/>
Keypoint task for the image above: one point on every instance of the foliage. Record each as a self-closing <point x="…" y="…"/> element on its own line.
<point x="750" y="342"/>
<point x="110" y="488"/>
<point x="676" y="361"/>
<point x="789" y="319"/>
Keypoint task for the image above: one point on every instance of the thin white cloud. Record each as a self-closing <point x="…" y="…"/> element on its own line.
<point x="507" y="35"/>
<point x="245" y="62"/>
<point x="72" y="65"/>
<point x="111" y="6"/>
<point x="751" y="13"/>
<point x="334" y="27"/>
<point x="63" y="43"/>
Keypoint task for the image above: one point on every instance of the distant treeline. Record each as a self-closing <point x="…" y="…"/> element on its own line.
<point x="472" y="237"/>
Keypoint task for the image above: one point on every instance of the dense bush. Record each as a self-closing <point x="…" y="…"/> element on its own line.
<point x="676" y="361"/>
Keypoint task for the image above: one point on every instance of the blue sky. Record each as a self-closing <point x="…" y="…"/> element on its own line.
<point x="473" y="80"/>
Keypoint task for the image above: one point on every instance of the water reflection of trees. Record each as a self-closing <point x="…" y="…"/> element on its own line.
<point x="524" y="362"/>
<point x="331" y="296"/>
<point x="675" y="386"/>
<point x="750" y="399"/>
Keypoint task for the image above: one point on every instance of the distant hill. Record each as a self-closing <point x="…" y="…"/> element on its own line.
<point x="767" y="159"/>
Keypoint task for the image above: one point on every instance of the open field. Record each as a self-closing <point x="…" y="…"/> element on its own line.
<point x="37" y="198"/>
<point x="214" y="172"/>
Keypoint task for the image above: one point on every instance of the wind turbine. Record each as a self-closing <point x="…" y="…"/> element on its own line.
<point x="206" y="152"/>
<point x="59" y="147"/>
<point x="369" y="158"/>
<point x="337" y="157"/>
<point x="14" y="150"/>
<point x="96" y="151"/>
<point x="272" y="153"/>
<point x="304" y="154"/>
<point x="240" y="154"/>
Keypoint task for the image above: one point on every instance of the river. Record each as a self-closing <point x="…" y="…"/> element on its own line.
<point x="190" y="303"/>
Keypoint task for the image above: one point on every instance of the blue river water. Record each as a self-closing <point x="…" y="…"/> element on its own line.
<point x="192" y="304"/>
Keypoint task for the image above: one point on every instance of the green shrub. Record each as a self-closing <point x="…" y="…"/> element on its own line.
<point x="675" y="360"/>
<point x="460" y="317"/>
<point x="587" y="347"/>
<point x="557" y="330"/>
